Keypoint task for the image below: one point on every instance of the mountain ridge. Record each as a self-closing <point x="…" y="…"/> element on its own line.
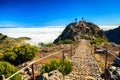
<point x="81" y="30"/>
<point x="113" y="35"/>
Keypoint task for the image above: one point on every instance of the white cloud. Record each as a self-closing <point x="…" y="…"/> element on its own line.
<point x="108" y="27"/>
<point x="44" y="35"/>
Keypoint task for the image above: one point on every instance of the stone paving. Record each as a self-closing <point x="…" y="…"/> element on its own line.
<point x="85" y="67"/>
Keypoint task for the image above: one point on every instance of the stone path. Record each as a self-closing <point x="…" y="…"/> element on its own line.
<point x="85" y="67"/>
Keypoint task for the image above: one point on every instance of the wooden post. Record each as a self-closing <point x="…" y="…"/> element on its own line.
<point x="106" y="55"/>
<point x="74" y="47"/>
<point x="94" y="51"/>
<point x="63" y="56"/>
<point x="71" y="50"/>
<point x="33" y="72"/>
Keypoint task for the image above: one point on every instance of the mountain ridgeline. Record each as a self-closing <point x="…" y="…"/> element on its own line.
<point x="113" y="35"/>
<point x="81" y="30"/>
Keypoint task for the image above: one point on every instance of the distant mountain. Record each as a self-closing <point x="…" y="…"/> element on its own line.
<point x="81" y="29"/>
<point x="113" y="35"/>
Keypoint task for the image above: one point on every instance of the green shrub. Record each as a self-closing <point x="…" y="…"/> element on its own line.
<point x="60" y="42"/>
<point x="7" y="69"/>
<point x="25" y="52"/>
<point x="67" y="41"/>
<point x="1" y="56"/>
<point x="9" y="57"/>
<point x="49" y="44"/>
<point x="64" y="66"/>
<point x="19" y="54"/>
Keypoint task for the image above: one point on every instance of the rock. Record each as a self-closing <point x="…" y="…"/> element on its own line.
<point x="29" y="71"/>
<point x="111" y="68"/>
<point x="3" y="77"/>
<point x="114" y="72"/>
<point x="45" y="76"/>
<point x="53" y="75"/>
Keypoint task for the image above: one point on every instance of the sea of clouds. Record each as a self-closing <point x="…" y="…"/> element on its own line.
<point x="38" y="35"/>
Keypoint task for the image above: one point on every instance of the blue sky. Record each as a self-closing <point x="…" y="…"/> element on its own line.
<point x="58" y="12"/>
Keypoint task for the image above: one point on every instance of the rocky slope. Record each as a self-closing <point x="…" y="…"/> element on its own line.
<point x="81" y="29"/>
<point x="114" y="35"/>
<point x="113" y="70"/>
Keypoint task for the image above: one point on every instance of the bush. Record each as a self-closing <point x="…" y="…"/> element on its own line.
<point x="10" y="57"/>
<point x="1" y="56"/>
<point x="64" y="66"/>
<point x="7" y="70"/>
<point x="67" y="41"/>
<point x="49" y="44"/>
<point x="25" y="52"/>
<point x="20" y="54"/>
<point x="60" y="42"/>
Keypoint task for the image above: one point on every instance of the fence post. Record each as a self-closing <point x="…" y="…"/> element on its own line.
<point x="71" y="50"/>
<point x="106" y="55"/>
<point x="33" y="74"/>
<point x="94" y="51"/>
<point x="63" y="56"/>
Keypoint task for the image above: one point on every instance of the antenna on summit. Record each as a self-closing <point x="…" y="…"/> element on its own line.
<point x="75" y="19"/>
<point x="83" y="20"/>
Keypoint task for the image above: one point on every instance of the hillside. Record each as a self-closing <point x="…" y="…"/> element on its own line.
<point x="113" y="35"/>
<point x="7" y="42"/>
<point x="81" y="30"/>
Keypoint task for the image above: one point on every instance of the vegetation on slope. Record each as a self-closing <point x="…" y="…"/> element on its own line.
<point x="98" y="40"/>
<point x="49" y="44"/>
<point x="67" y="41"/>
<point x="23" y="38"/>
<point x="19" y="54"/>
<point x="14" y="51"/>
